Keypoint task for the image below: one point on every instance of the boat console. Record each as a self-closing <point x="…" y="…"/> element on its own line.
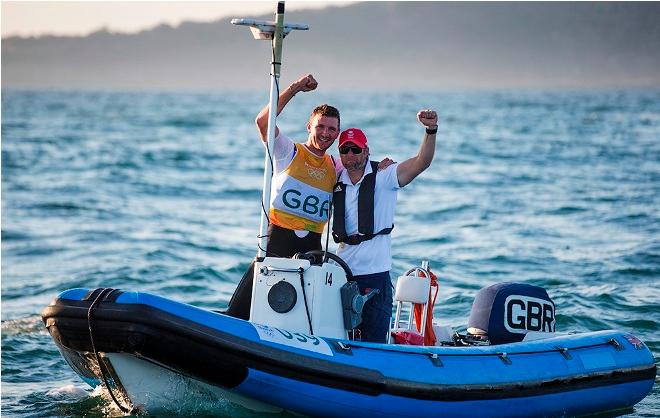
<point x="304" y="294"/>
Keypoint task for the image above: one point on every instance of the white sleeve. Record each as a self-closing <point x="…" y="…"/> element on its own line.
<point x="390" y="179"/>
<point x="282" y="152"/>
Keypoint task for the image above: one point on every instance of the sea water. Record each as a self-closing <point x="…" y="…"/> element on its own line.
<point x="160" y="192"/>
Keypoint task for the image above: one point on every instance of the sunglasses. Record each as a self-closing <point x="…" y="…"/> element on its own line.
<point x="355" y="150"/>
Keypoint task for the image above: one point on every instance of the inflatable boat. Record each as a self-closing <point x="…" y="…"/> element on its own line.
<point x="295" y="353"/>
<point x="299" y="350"/>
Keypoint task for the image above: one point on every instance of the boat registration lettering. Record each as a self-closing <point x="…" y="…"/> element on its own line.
<point x="526" y="313"/>
<point x="293" y="339"/>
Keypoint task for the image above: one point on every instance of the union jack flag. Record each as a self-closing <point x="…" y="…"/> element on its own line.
<point x="636" y="342"/>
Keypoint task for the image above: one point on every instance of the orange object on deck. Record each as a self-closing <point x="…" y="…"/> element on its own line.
<point x="429" y="335"/>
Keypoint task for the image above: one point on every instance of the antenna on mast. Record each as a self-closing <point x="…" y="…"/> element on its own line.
<point x="275" y="32"/>
<point x="263" y="30"/>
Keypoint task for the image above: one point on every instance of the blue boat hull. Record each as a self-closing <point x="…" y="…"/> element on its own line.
<point x="314" y="400"/>
<point x="564" y="375"/>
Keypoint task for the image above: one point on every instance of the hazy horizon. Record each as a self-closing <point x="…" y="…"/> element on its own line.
<point x="79" y="19"/>
<point x="368" y="46"/>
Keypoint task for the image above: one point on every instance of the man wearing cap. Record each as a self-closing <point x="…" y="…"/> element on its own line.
<point x="364" y="204"/>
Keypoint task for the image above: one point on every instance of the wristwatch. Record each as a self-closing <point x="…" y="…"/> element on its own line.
<point x="432" y="131"/>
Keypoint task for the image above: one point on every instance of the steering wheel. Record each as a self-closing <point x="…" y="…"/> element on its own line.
<point x="315" y="257"/>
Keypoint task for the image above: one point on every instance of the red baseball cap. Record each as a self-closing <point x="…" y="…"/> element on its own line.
<point x="355" y="136"/>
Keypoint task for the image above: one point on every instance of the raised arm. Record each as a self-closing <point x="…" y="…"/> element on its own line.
<point x="412" y="167"/>
<point x="304" y="83"/>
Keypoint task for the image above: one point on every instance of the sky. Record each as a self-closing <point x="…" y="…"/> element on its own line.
<point x="34" y="18"/>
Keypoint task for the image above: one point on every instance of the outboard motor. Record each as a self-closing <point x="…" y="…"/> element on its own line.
<point x="506" y="312"/>
<point x="353" y="303"/>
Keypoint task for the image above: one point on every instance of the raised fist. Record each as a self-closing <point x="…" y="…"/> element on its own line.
<point x="306" y="83"/>
<point x="427" y="117"/>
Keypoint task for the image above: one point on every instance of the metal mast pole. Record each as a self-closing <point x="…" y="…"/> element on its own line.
<point x="274" y="31"/>
<point x="274" y="96"/>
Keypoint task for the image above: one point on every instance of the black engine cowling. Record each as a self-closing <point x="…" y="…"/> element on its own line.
<point x="506" y="312"/>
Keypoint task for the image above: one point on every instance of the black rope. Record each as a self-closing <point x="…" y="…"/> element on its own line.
<point x="277" y="103"/>
<point x="330" y="210"/>
<point x="327" y="232"/>
<point x="263" y="209"/>
<point x="301" y="271"/>
<point x="102" y="366"/>
<point x="551" y="350"/>
<point x="270" y="157"/>
<point x="269" y="253"/>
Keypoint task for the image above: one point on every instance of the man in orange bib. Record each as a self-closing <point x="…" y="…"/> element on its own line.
<point x="303" y="180"/>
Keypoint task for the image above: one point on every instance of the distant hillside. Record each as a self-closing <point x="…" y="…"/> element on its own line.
<point x="374" y="45"/>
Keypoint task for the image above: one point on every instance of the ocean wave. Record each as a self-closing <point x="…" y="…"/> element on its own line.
<point x="188" y="122"/>
<point x="22" y="326"/>
<point x="161" y="193"/>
